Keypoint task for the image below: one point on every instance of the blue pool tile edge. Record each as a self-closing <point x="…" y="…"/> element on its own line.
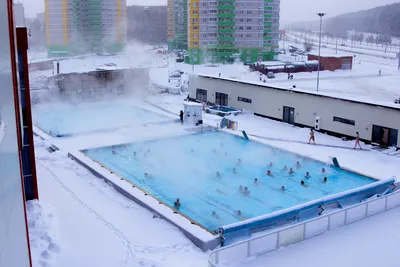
<point x="271" y="219"/>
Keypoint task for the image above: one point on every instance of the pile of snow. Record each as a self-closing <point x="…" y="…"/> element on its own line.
<point x="43" y="234"/>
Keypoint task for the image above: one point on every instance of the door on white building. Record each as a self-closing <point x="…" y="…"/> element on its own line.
<point x="288" y="115"/>
<point x="221" y="99"/>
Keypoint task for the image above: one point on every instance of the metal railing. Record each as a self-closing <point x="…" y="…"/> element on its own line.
<point x="299" y="232"/>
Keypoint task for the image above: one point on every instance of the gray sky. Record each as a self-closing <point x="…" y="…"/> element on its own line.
<point x="291" y="10"/>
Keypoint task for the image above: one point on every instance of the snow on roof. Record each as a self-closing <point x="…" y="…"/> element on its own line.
<point x="193" y="104"/>
<point x="331" y="55"/>
<point x="271" y="63"/>
<point x="322" y="94"/>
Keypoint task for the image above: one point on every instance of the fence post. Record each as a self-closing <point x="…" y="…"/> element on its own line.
<point x="277" y="239"/>
<point x="386" y="203"/>
<point x="329" y="222"/>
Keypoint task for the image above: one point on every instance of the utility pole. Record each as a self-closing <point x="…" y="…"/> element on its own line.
<point x="319" y="50"/>
<point x="336" y="44"/>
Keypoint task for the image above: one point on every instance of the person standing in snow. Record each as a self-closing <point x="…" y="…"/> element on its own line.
<point x="357" y="141"/>
<point x="312" y="136"/>
<point x="181" y="116"/>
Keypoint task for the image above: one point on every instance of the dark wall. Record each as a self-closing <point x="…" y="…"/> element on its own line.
<point x="147" y="24"/>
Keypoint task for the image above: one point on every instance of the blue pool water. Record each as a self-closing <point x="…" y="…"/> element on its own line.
<point x="223" y="108"/>
<point x="89" y="118"/>
<point x="185" y="167"/>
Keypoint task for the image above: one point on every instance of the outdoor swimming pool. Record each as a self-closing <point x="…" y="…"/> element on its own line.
<point x="68" y="120"/>
<point x="186" y="167"/>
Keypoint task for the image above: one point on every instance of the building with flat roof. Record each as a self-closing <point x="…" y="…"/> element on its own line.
<point x="333" y="62"/>
<point x="82" y="26"/>
<point x="376" y="122"/>
<point x="220" y="31"/>
<point x="16" y="143"/>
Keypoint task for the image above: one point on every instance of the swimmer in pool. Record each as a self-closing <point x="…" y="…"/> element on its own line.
<point x="298" y="164"/>
<point x="323" y="170"/>
<point x="270" y="164"/>
<point x="147" y="175"/>
<point x="307" y="175"/>
<point x="303" y="183"/>
<point x="256" y="181"/>
<point x="291" y="171"/>
<point x="239" y="214"/>
<point x="221" y="192"/>
<point x="246" y="191"/>
<point x="239" y="161"/>
<point x="284" y="168"/>
<point x="177" y="203"/>
<point x="218" y="175"/>
<point x="215" y="215"/>
<point x="325" y="180"/>
<point x="113" y="151"/>
<point x="234" y="170"/>
<point x="269" y="173"/>
<point x="283" y="188"/>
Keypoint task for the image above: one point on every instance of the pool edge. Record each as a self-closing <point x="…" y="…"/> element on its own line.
<point x="198" y="234"/>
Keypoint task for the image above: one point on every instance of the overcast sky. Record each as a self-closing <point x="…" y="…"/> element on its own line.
<point x="291" y="10"/>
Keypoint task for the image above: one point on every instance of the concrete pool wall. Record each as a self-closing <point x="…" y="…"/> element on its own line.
<point x="202" y="238"/>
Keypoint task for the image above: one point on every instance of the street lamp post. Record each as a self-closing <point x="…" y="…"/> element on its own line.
<point x="319" y="49"/>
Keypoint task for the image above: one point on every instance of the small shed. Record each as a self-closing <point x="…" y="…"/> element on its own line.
<point x="193" y="113"/>
<point x="333" y="62"/>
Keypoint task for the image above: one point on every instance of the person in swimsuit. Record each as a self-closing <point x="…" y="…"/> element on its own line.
<point x="256" y="181"/>
<point x="307" y="175"/>
<point x="283" y="188"/>
<point x="298" y="164"/>
<point x="246" y="191"/>
<point x="284" y="168"/>
<point x="218" y="175"/>
<point x="215" y="215"/>
<point x="291" y="171"/>
<point x="269" y="173"/>
<point x="303" y="183"/>
<point x="234" y="170"/>
<point x="270" y="164"/>
<point x="323" y="170"/>
<point x="177" y="203"/>
<point x="325" y="180"/>
<point x="312" y="136"/>
<point x="357" y="141"/>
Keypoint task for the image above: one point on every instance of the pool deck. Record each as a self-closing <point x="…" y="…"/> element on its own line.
<point x="199" y="235"/>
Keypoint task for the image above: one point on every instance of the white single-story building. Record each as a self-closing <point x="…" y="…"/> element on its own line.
<point x="375" y="122"/>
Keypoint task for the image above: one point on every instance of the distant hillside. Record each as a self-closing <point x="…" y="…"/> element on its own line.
<point x="147" y="24"/>
<point x="384" y="20"/>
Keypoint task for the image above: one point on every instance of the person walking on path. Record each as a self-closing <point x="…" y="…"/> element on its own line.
<point x="357" y="141"/>
<point x="312" y="136"/>
<point x="181" y="116"/>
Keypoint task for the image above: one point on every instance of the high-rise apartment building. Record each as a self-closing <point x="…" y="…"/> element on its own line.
<point x="81" y="26"/>
<point x="178" y="24"/>
<point x="221" y="30"/>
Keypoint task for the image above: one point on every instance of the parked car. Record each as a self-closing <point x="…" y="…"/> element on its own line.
<point x="270" y="75"/>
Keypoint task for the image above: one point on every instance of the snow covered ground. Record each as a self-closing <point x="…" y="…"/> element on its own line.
<point x="82" y="221"/>
<point x="367" y="243"/>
